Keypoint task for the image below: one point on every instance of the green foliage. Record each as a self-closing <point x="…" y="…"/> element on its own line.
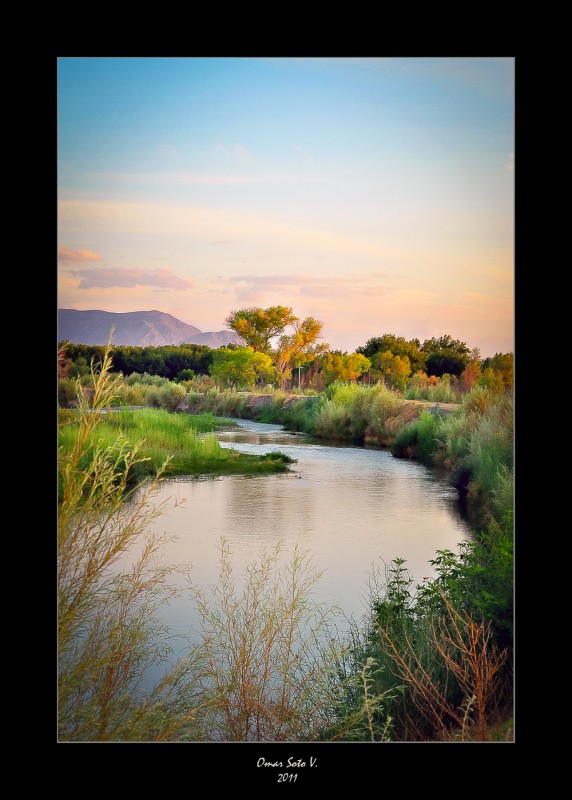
<point x="477" y="580"/>
<point x="479" y="401"/>
<point x="360" y="712"/>
<point x="336" y="366"/>
<point x="492" y="380"/>
<point x="384" y="404"/>
<point x="491" y="447"/>
<point x="502" y="363"/>
<point x="259" y="666"/>
<point x="241" y="368"/>
<point x="108" y="630"/>
<point x="420" y="437"/>
<point x="397" y="346"/>
<point x="393" y="370"/>
<point x="67" y="392"/>
<point x="416" y="635"/>
<point x="158" y="434"/>
<point x="185" y="375"/>
<point x="257" y="326"/>
<point x="300" y="416"/>
<point x="166" y="361"/>
<point x="445" y="356"/>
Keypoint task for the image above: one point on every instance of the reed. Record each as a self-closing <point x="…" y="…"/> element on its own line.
<point x="109" y="633"/>
<point x="259" y="665"/>
<point x="159" y="434"/>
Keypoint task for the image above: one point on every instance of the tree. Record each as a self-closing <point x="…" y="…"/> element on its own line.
<point x="257" y="326"/>
<point x="394" y="369"/>
<point x="338" y="366"/>
<point x="397" y="346"/>
<point x="492" y="379"/>
<point x="471" y="373"/>
<point x="503" y="363"/>
<point x="445" y="356"/>
<point x="241" y="367"/>
<point x="298" y="348"/>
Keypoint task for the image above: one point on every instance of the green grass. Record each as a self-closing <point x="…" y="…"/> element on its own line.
<point x="187" y="440"/>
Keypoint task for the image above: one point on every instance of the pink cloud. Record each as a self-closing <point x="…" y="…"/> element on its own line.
<point x="310" y="286"/>
<point x="129" y="278"/>
<point x="67" y="256"/>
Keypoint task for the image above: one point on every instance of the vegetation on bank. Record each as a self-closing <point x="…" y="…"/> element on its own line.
<point x="160" y="435"/>
<point x="472" y="439"/>
<point x="441" y="651"/>
<point x="431" y="661"/>
<point x="440" y="369"/>
<point x="256" y="675"/>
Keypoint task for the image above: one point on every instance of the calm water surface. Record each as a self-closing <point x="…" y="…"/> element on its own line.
<point x="353" y="508"/>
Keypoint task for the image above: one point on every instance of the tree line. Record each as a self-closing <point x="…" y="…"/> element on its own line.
<point x="278" y="348"/>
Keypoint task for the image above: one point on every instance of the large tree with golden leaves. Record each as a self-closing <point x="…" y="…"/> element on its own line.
<point x="257" y="327"/>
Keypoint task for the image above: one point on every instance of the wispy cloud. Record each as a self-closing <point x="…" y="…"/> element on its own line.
<point x="67" y="256"/>
<point x="248" y="288"/>
<point x="188" y="178"/>
<point x="220" y="224"/>
<point x="510" y="163"/>
<point x="129" y="278"/>
<point x="235" y="152"/>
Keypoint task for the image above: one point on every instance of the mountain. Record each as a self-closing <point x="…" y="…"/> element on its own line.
<point x="135" y="328"/>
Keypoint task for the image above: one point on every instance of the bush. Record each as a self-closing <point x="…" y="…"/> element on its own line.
<point x="171" y="396"/>
<point x="419" y="438"/>
<point x="259" y="665"/>
<point x="67" y="392"/>
<point x="108" y="631"/>
<point x="443" y="648"/>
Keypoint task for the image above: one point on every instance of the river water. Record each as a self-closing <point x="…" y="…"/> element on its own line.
<point x="352" y="508"/>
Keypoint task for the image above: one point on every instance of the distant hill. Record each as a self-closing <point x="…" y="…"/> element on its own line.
<point x="135" y="328"/>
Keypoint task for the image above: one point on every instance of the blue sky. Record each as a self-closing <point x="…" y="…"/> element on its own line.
<point x="373" y="194"/>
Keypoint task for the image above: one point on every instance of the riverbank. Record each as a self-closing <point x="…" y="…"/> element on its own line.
<point x="472" y="441"/>
<point x="176" y="444"/>
<point x="395" y="677"/>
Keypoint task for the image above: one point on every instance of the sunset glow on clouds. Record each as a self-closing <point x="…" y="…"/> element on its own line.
<point x="129" y="278"/>
<point x="373" y="194"/>
<point x="67" y="256"/>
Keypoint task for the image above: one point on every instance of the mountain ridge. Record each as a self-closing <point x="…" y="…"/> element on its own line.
<point x="134" y="328"/>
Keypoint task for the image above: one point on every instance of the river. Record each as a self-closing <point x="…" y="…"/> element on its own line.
<point x="353" y="508"/>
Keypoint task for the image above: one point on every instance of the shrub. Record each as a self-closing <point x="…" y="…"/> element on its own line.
<point x="67" y="392"/>
<point x="259" y="665"/>
<point x="108" y="631"/>
<point x="419" y="438"/>
<point x="171" y="396"/>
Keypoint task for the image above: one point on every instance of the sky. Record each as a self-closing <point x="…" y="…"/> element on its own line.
<point x="373" y="194"/>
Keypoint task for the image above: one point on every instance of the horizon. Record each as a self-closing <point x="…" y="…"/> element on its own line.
<point x="211" y="330"/>
<point x="374" y="194"/>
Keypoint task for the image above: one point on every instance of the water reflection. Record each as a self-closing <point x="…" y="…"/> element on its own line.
<point x="351" y="507"/>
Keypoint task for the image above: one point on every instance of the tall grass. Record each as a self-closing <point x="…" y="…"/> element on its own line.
<point x="435" y="390"/>
<point x="227" y="403"/>
<point x="108" y="629"/>
<point x="441" y="649"/>
<point x="355" y="412"/>
<point x="419" y="438"/>
<point x="261" y="669"/>
<point x="475" y="443"/>
<point x="159" y="434"/>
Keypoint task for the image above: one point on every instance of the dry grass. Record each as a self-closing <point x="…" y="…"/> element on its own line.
<point x="108" y="631"/>
<point x="260" y="667"/>
<point x="464" y="647"/>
